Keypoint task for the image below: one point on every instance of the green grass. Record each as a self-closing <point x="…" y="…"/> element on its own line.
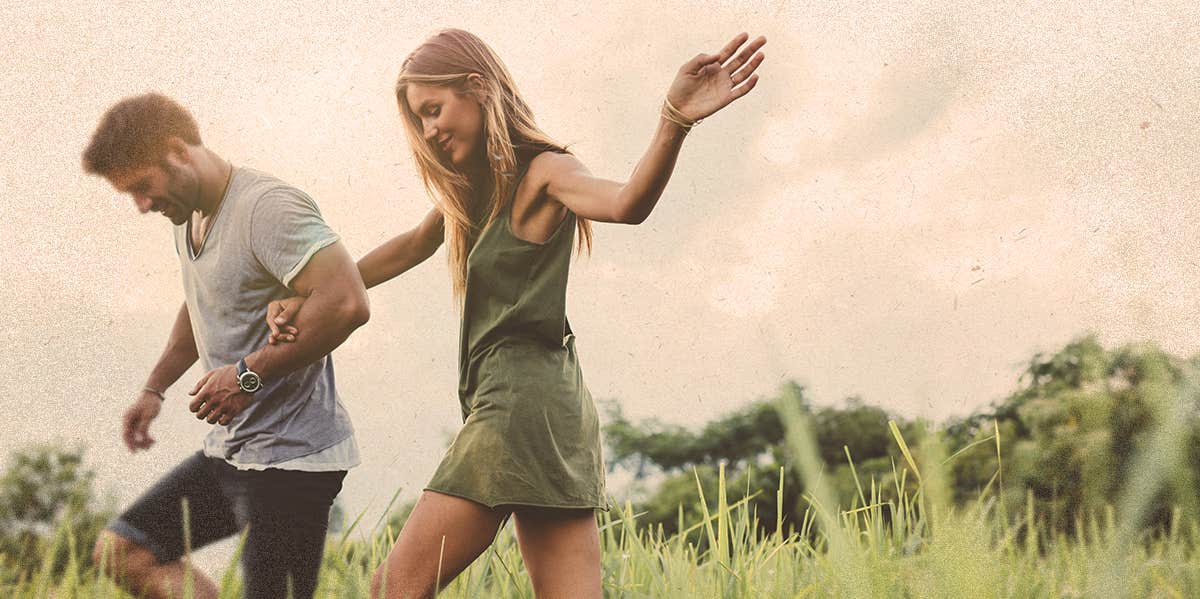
<point x="919" y="545"/>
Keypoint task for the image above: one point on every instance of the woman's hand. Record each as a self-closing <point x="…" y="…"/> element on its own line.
<point x="709" y="82"/>
<point x="279" y="314"/>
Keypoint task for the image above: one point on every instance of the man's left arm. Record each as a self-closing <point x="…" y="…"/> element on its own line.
<point x="336" y="305"/>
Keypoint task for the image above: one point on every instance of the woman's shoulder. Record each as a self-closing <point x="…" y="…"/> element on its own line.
<point x="533" y="190"/>
<point x="546" y="165"/>
<point x="526" y="152"/>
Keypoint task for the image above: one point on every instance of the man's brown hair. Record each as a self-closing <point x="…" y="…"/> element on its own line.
<point x="134" y="133"/>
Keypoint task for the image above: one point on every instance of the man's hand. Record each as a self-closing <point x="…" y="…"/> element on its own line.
<point x="217" y="397"/>
<point x="136" y="422"/>
<point x="279" y="314"/>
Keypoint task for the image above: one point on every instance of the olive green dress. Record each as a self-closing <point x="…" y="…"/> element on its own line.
<point x="530" y="435"/>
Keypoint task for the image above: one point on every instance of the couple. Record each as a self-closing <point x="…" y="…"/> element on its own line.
<point x="508" y="202"/>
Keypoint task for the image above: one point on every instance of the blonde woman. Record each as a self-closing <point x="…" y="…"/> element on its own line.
<point x="510" y="202"/>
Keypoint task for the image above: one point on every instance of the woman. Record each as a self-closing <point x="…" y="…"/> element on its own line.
<point x="509" y="201"/>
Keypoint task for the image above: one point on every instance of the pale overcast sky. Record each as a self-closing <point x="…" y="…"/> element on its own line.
<point x="911" y="204"/>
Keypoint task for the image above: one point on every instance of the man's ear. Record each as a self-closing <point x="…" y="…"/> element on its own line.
<point x="179" y="150"/>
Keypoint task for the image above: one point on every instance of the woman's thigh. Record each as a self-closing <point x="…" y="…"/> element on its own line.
<point x="442" y="536"/>
<point x="561" y="549"/>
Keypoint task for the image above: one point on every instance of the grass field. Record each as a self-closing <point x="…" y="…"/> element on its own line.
<point x="918" y="546"/>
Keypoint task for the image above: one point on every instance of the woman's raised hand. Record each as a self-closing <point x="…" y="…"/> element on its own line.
<point x="709" y="82"/>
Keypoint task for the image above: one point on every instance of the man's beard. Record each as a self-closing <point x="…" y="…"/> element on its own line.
<point x="183" y="192"/>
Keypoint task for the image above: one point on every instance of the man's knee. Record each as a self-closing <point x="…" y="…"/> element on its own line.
<point x="119" y="556"/>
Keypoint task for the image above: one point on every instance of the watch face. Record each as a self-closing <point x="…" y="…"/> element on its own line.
<point x="249" y="382"/>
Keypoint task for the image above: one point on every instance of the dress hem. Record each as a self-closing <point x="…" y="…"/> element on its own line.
<point x="521" y="503"/>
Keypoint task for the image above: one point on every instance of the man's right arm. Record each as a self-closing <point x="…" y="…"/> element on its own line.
<point x="177" y="357"/>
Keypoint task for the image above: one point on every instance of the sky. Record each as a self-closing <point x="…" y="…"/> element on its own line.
<point x="916" y="199"/>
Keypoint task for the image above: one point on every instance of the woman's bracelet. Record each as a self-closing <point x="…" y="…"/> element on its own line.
<point x="160" y="395"/>
<point x="674" y="115"/>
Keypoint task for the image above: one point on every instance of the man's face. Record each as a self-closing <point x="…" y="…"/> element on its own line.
<point x="170" y="188"/>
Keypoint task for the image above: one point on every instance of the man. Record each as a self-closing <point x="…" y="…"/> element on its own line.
<point x="281" y="441"/>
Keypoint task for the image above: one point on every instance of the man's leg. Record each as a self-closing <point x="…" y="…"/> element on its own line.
<point x="143" y="549"/>
<point x="288" y="513"/>
<point x="135" y="569"/>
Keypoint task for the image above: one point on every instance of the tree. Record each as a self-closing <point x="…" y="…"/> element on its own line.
<point x="750" y="442"/>
<point x="1069" y="435"/>
<point x="45" y="491"/>
<point x="1072" y="429"/>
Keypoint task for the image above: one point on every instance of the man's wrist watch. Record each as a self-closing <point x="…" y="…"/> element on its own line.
<point x="248" y="380"/>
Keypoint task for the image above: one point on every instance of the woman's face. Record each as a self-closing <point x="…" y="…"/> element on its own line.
<point x="451" y="122"/>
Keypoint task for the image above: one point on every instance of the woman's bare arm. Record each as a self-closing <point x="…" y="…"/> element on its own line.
<point x="384" y="263"/>
<point x="402" y="252"/>
<point x="704" y="85"/>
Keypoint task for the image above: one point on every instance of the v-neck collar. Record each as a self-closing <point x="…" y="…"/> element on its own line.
<point x="194" y="252"/>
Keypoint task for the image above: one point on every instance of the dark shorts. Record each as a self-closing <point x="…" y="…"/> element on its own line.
<point x="287" y="510"/>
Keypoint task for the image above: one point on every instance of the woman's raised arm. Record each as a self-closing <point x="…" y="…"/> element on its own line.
<point x="703" y="86"/>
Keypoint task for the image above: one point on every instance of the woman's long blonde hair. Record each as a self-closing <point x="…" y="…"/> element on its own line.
<point x="447" y="59"/>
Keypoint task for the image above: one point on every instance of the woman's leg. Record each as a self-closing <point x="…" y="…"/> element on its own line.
<point x="561" y="549"/>
<point x="411" y="570"/>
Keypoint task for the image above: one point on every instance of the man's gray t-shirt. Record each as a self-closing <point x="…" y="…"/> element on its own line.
<point x="260" y="238"/>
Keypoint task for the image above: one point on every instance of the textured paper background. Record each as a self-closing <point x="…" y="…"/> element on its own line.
<point x="916" y="199"/>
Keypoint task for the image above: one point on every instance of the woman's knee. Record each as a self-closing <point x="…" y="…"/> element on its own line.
<point x="377" y="583"/>
<point x="383" y="586"/>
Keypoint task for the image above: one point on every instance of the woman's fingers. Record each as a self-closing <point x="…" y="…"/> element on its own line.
<point x="747" y="69"/>
<point x="744" y="55"/>
<point x="279" y="314"/>
<point x="284" y="315"/>
<point x="745" y="88"/>
<point x="273" y="310"/>
<point x="732" y="46"/>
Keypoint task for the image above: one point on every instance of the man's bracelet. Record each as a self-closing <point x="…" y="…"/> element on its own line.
<point x="160" y="395"/>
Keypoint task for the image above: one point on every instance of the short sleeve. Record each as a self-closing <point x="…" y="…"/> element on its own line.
<point x="286" y="230"/>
